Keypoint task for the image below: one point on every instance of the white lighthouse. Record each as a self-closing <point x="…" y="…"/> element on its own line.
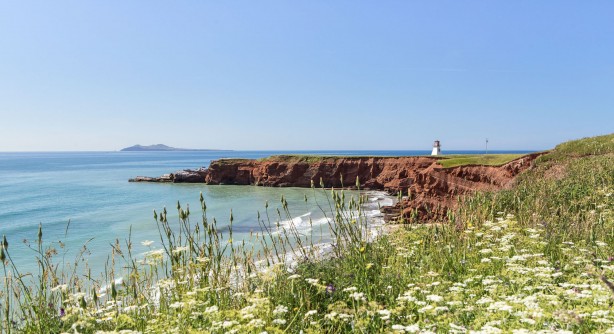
<point x="436" y="148"/>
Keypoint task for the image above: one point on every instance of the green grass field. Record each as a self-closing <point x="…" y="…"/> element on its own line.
<point x="456" y="160"/>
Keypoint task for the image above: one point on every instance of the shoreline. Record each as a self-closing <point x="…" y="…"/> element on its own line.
<point x="376" y="226"/>
<point x="433" y="184"/>
<point x="321" y="251"/>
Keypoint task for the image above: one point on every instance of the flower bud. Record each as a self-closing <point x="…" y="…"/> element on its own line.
<point x="113" y="290"/>
<point x="40" y="233"/>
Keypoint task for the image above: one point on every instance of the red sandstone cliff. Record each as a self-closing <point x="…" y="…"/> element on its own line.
<point x="434" y="189"/>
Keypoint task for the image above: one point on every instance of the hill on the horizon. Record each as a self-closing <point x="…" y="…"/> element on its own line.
<point x="160" y="147"/>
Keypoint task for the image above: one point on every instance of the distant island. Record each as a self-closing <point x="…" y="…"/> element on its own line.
<point x="161" y="147"/>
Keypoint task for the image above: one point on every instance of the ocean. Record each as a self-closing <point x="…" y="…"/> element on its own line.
<point x="91" y="191"/>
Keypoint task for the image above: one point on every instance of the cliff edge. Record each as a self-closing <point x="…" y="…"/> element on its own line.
<point x="429" y="189"/>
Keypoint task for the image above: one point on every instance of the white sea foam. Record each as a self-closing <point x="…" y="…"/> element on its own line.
<point x="118" y="284"/>
<point x="320" y="250"/>
<point x="371" y="212"/>
<point x="302" y="224"/>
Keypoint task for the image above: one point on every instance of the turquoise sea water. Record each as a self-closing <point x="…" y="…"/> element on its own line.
<point x="91" y="189"/>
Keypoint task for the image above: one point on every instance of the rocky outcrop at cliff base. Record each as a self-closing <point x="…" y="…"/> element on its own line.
<point x="182" y="176"/>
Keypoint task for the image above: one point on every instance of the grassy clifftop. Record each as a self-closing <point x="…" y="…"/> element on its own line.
<point x="453" y="160"/>
<point x="563" y="186"/>
<point x="456" y="160"/>
<point x="599" y="145"/>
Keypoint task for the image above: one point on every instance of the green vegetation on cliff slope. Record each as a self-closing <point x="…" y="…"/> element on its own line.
<point x="535" y="258"/>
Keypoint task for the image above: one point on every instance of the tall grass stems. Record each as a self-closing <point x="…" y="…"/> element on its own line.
<point x="538" y="257"/>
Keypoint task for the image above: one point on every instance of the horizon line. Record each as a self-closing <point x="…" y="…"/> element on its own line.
<point x="271" y="150"/>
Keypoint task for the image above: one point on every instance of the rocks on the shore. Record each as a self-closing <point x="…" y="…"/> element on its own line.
<point x="189" y="176"/>
<point x="183" y="176"/>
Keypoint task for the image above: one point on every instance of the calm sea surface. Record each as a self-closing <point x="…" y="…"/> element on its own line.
<point x="91" y="189"/>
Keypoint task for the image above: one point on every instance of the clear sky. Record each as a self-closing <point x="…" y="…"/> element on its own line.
<point x="103" y="75"/>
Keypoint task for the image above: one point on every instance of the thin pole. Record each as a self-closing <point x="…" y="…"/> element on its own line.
<point x="486" y="145"/>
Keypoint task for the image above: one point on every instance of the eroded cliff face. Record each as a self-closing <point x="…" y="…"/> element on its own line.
<point x="434" y="189"/>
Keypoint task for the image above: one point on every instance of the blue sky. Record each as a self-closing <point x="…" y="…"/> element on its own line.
<point x="86" y="75"/>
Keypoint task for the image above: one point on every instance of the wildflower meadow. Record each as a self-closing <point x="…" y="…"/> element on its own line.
<point x="535" y="258"/>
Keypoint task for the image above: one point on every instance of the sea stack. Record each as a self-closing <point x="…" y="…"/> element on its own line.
<point x="436" y="148"/>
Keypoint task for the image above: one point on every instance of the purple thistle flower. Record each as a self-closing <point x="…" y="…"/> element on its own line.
<point x="330" y="289"/>
<point x="62" y="312"/>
